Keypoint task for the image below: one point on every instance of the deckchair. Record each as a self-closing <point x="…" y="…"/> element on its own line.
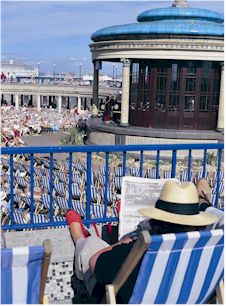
<point x="23" y="274"/>
<point x="184" y="268"/>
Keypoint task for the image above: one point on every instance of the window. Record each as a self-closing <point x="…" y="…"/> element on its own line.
<point x="205" y="85"/>
<point x="189" y="105"/>
<point x="190" y="84"/>
<point x="204" y="103"/>
<point x="173" y="102"/>
<point x="160" y="102"/>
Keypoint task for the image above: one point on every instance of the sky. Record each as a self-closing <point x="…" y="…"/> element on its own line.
<point x="58" y="32"/>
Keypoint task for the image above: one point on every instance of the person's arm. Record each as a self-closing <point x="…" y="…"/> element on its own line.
<point x="93" y="259"/>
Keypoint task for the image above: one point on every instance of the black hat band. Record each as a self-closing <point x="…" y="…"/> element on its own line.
<point x="180" y="209"/>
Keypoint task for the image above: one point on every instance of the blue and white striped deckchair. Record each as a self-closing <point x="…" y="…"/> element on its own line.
<point x="19" y="166"/>
<point x="118" y="182"/>
<point x="221" y="188"/>
<point x="102" y="170"/>
<point x="151" y="173"/>
<point x="98" y="210"/>
<point x="109" y="195"/>
<point x="221" y="176"/>
<point x="118" y="171"/>
<point x="182" y="268"/>
<point x="17" y="198"/>
<point x="46" y="183"/>
<point x="134" y="172"/>
<point x="5" y="162"/>
<point x="60" y="189"/>
<point x="40" y="218"/>
<point x="22" y="182"/>
<point x="45" y="172"/>
<point x="78" y="166"/>
<point x="62" y="203"/>
<point x="65" y="164"/>
<point x="76" y="178"/>
<point x="23" y="274"/>
<point x="56" y="165"/>
<point x="76" y="192"/>
<point x="37" y="182"/>
<point x="46" y="200"/>
<point x="79" y="207"/>
<point x="59" y="219"/>
<point x="184" y="176"/>
<point x="26" y="199"/>
<point x="46" y="163"/>
<point x="167" y="174"/>
<point x="92" y="177"/>
<point x="18" y="217"/>
<point x="38" y="171"/>
<point x="62" y="177"/>
<point x="102" y="180"/>
<point x="93" y="194"/>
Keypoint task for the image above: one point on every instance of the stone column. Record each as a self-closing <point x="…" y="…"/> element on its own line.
<point x="96" y="67"/>
<point x="125" y="92"/>
<point x="17" y="102"/>
<point x="59" y="104"/>
<point x="38" y="103"/>
<point x="220" y="122"/>
<point x="79" y="105"/>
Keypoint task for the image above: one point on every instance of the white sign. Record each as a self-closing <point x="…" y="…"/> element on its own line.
<point x="137" y="192"/>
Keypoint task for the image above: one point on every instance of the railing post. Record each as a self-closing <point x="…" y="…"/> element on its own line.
<point x="11" y="190"/>
<point x="189" y="164"/>
<point x="157" y="164"/>
<point x="51" y="188"/>
<point x="32" y="188"/>
<point x="141" y="163"/>
<point x="124" y="164"/>
<point x="70" y="181"/>
<point x="174" y="164"/>
<point x="88" y="173"/>
<point x="106" y="184"/>
<point x="218" y="176"/>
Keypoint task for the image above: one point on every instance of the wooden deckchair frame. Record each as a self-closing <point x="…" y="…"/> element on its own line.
<point x="128" y="266"/>
<point x="45" y="267"/>
<point x="130" y="263"/>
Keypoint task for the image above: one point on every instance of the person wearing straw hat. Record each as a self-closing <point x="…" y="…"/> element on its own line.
<point x="176" y="210"/>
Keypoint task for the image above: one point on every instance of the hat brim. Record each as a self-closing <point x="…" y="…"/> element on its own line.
<point x="201" y="219"/>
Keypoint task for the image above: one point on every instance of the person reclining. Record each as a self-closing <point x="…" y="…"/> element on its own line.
<point x="97" y="263"/>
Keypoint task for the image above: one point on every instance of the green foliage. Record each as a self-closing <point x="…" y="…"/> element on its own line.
<point x="72" y="138"/>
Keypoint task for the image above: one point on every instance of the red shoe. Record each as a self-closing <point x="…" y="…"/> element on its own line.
<point x="73" y="216"/>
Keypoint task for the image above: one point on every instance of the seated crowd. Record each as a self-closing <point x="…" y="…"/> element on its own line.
<point x="27" y="121"/>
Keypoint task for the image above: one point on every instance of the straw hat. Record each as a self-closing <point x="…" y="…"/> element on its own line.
<point x="179" y="204"/>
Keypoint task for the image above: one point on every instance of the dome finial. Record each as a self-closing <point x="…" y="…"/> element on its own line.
<point x="180" y="3"/>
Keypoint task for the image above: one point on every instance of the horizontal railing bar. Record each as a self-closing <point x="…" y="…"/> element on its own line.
<point x="56" y="223"/>
<point x="112" y="148"/>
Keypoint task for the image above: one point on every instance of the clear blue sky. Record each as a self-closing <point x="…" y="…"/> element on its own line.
<point x="58" y="32"/>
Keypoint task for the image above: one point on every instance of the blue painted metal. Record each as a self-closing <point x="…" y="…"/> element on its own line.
<point x="106" y="183"/>
<point x="70" y="180"/>
<point x="204" y="163"/>
<point x="189" y="164"/>
<point x="32" y="188"/>
<point x="107" y="149"/>
<point x="166" y="21"/>
<point x="51" y="187"/>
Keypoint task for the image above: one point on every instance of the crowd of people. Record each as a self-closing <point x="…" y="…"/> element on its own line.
<point x="28" y="122"/>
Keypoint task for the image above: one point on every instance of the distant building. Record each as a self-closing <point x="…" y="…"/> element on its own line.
<point x="13" y="69"/>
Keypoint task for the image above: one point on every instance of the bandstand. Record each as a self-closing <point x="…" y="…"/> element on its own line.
<point x="172" y="75"/>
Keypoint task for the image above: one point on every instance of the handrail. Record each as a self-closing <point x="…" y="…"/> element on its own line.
<point x="141" y="150"/>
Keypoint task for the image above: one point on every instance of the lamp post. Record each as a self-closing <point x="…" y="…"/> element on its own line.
<point x="54" y="72"/>
<point x="116" y="72"/>
<point x="80" y="70"/>
<point x="38" y="69"/>
<point x="113" y="77"/>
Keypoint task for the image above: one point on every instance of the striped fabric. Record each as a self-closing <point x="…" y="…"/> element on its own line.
<point x="180" y="268"/>
<point x="62" y="177"/>
<point x="118" y="182"/>
<point x="21" y="182"/>
<point x="151" y="173"/>
<point x="79" y="207"/>
<point x="62" y="203"/>
<point x="60" y="189"/>
<point x="167" y="174"/>
<point x="38" y="171"/>
<point x="40" y="218"/>
<point x="21" y="275"/>
<point x="118" y="171"/>
<point x="134" y="171"/>
<point x="18" y="217"/>
<point x="76" y="178"/>
<point x="46" y="184"/>
<point x="46" y="200"/>
<point x="98" y="210"/>
<point x="76" y="192"/>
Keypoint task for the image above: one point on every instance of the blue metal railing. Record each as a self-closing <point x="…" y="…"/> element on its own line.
<point x="89" y="150"/>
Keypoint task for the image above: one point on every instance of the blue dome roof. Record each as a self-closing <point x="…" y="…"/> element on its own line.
<point x="166" y="21"/>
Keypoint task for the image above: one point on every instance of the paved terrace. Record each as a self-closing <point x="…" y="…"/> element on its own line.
<point x="54" y="90"/>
